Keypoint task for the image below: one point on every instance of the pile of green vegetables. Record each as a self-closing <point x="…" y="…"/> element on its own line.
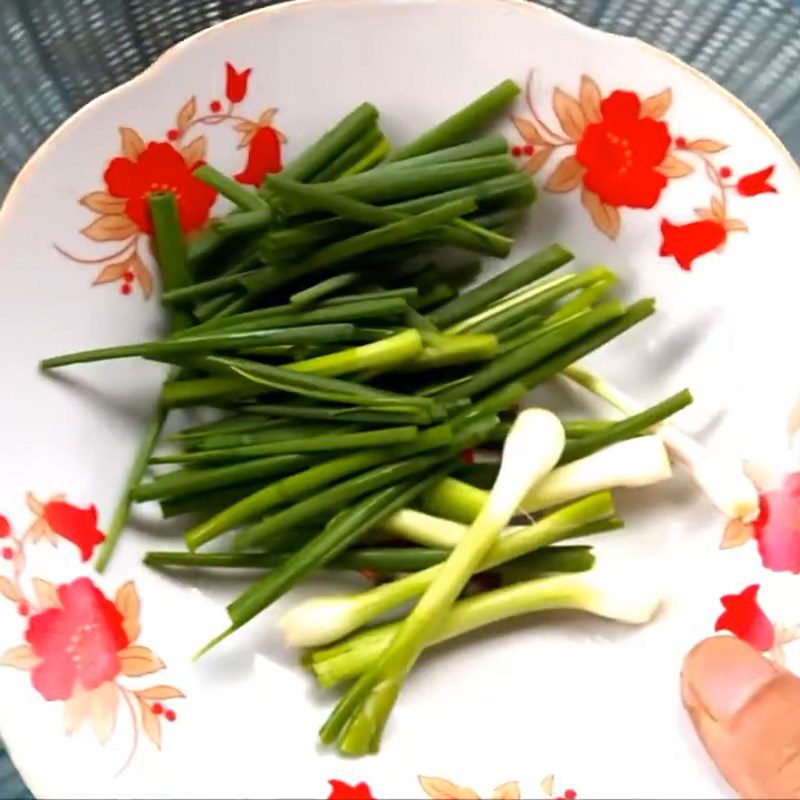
<point x="326" y="323"/>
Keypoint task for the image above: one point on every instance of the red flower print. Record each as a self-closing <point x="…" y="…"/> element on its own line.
<point x="744" y="618"/>
<point x="5" y="527"/>
<point x="159" y="167"/>
<point x="236" y="83"/>
<point x="77" y="525"/>
<point x="687" y="242"/>
<point x="777" y="527"/>
<point x="77" y="643"/>
<point x="263" y="157"/>
<point x="344" y="791"/>
<point x="756" y="183"/>
<point x="621" y="151"/>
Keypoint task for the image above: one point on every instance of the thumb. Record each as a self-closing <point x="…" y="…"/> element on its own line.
<point x="746" y="710"/>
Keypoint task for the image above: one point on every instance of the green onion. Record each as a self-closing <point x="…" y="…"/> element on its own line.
<point x="307" y="482"/>
<point x="331" y="144"/>
<point x="331" y="285"/>
<point x="246" y="199"/>
<point x="517" y="361"/>
<point x="345" y="528"/>
<point x="461" y="124"/>
<point x="312" y="197"/>
<point x="586" y="298"/>
<point x="634" y="314"/>
<point x="600" y="592"/>
<point x="576" y="558"/>
<point x="262" y="533"/>
<point x="246" y="222"/>
<point x="626" y="428"/>
<point x="531" y="450"/>
<point x="338" y="414"/>
<point x="370" y="159"/>
<point x="389" y="186"/>
<point x="133" y="478"/>
<point x="386" y="236"/>
<point x="590" y="515"/>
<point x="477" y="299"/>
<point x="311" y="385"/>
<point x="191" y="481"/>
<point x="389" y="352"/>
<point x="172" y="261"/>
<point x="491" y="145"/>
<point x="170" y="350"/>
<point x="307" y="444"/>
<point x="351" y="156"/>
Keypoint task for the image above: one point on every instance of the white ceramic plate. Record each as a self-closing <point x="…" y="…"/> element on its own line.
<point x="592" y="703"/>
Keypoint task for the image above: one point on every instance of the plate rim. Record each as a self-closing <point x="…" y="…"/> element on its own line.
<point x="290" y="6"/>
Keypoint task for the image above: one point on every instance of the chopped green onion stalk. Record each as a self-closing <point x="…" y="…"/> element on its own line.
<point x="725" y="484"/>
<point x="606" y="593"/>
<point x="531" y="450"/>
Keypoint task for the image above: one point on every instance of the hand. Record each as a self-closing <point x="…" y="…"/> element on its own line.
<point x="746" y="710"/>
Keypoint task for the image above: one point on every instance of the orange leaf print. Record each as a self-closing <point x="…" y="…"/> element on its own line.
<point x="127" y="602"/>
<point x="9" y="590"/>
<point x="528" y="131"/>
<point x="537" y="160"/>
<point x="735" y="225"/>
<point x="195" y="151"/>
<point x="566" y="176"/>
<point x="507" y="791"/>
<point x="674" y="167"/>
<point x="441" y="789"/>
<point x="547" y="785"/>
<point x="793" y="421"/>
<point x="103" y="704"/>
<point x="138" y="660"/>
<point x="76" y="710"/>
<point x="111" y="272"/>
<point x="247" y="137"/>
<point x="34" y="505"/>
<point x="21" y="657"/>
<point x="605" y="217"/>
<point x="110" y="228"/>
<point x="161" y="692"/>
<point x="142" y="274"/>
<point x="131" y="144"/>
<point x="151" y="723"/>
<point x="704" y="213"/>
<point x="736" y="534"/>
<point x="656" y="106"/>
<point x="248" y="129"/>
<point x="569" y="114"/>
<point x="717" y="209"/>
<point x="46" y="595"/>
<point x="186" y="114"/>
<point x="590" y="98"/>
<point x="706" y="146"/>
<point x="103" y="203"/>
<point x="266" y="117"/>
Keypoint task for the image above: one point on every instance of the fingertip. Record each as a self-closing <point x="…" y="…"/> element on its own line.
<point x="722" y="674"/>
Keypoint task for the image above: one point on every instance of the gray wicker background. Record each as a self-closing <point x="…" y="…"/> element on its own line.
<point x="56" y="55"/>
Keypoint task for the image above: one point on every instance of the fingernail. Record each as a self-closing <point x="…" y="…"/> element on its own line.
<point x="723" y="674"/>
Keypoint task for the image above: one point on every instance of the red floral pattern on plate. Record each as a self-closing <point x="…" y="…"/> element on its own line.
<point x="776" y="530"/>
<point x="79" y="644"/>
<point x="443" y="789"/>
<point x="141" y="168"/>
<point x="621" y="153"/>
<point x="744" y="618"/>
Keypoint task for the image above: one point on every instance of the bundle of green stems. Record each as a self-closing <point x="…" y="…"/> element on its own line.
<point x="345" y="363"/>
